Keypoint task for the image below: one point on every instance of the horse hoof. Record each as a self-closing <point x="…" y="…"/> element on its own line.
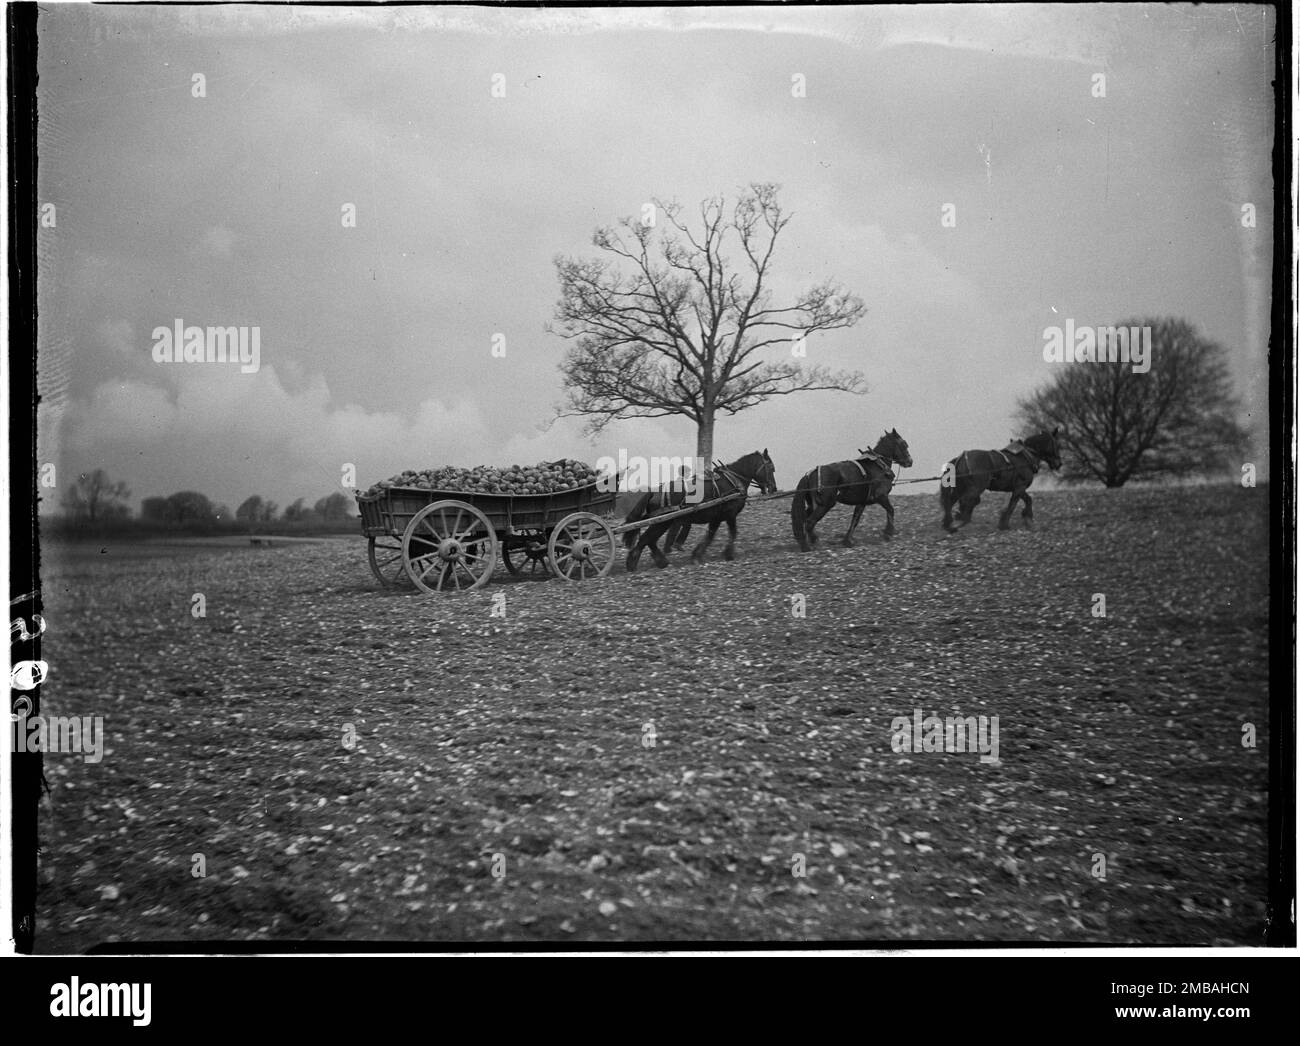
<point x="728" y="554"/>
<point x="631" y="563"/>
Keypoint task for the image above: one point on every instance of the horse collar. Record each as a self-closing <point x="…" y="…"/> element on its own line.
<point x="733" y="478"/>
<point x="1020" y="448"/>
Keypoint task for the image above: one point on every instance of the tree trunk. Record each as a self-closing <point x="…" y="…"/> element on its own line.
<point x="704" y="439"/>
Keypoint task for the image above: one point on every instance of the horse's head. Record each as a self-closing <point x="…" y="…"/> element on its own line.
<point x="755" y="467"/>
<point x="766" y="477"/>
<point x="892" y="446"/>
<point x="1044" y="444"/>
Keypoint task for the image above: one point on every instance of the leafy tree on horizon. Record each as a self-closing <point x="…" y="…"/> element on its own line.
<point x="1178" y="419"/>
<point x="256" y="510"/>
<point x="334" y="507"/>
<point x="189" y="506"/>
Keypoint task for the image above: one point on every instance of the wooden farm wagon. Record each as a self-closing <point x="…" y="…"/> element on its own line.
<point x="447" y="541"/>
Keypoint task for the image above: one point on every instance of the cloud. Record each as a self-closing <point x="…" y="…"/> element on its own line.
<point x="218" y="242"/>
<point x="230" y="435"/>
<point x="119" y="335"/>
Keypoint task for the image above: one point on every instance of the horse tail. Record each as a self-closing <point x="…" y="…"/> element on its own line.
<point x="640" y="509"/>
<point x="800" y="507"/>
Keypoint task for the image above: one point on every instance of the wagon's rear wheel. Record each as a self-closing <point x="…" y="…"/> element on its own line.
<point x="525" y="557"/>
<point x="581" y="547"/>
<point x="449" y="546"/>
<point x="387" y="562"/>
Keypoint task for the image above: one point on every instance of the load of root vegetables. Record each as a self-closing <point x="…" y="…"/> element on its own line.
<point x="546" y="477"/>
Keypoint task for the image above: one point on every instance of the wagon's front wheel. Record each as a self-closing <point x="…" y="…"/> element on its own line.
<point x="387" y="562"/>
<point x="581" y="547"/>
<point x="449" y="546"/>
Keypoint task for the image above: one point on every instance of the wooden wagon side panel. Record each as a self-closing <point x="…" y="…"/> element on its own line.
<point x="391" y="511"/>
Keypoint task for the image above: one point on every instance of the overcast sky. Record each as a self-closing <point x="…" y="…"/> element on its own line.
<point x="376" y="340"/>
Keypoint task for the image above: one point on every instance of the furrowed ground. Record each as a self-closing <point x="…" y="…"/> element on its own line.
<point x="522" y="745"/>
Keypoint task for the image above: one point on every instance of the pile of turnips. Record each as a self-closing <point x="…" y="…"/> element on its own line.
<point x="546" y="477"/>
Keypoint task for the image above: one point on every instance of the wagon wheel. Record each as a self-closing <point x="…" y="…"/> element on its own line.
<point x="581" y="547"/>
<point x="449" y="546"/>
<point x="387" y="562"/>
<point x="526" y="558"/>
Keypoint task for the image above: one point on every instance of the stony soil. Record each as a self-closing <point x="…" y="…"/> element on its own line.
<point x="655" y="756"/>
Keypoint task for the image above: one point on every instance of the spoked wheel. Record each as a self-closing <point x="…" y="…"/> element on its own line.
<point x="387" y="562"/>
<point x="526" y="558"/>
<point x="449" y="546"/>
<point x="581" y="547"/>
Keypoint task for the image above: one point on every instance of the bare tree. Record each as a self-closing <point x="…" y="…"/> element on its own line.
<point x="1177" y="419"/>
<point x="677" y="327"/>
<point x="94" y="495"/>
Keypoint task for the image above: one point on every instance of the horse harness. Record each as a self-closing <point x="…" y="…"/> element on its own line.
<point x="1006" y="453"/>
<point x="736" y="481"/>
<point x="869" y="456"/>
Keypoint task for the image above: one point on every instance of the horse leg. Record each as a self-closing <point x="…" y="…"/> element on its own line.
<point x="1004" y="521"/>
<point x="1027" y="513"/>
<point x="729" y="553"/>
<point x="678" y="538"/>
<point x="697" y="554"/>
<point x="967" y="508"/>
<point x="853" y="524"/>
<point x="889" y="516"/>
<point x="819" y="510"/>
<point x="648" y="538"/>
<point x="634" y="553"/>
<point x="652" y="539"/>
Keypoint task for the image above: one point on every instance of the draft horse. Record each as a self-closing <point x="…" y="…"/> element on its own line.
<point x="1012" y="469"/>
<point x="862" y="481"/>
<point x="735" y="478"/>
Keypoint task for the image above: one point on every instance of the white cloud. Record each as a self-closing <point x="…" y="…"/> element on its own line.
<point x="119" y="335"/>
<point x="218" y="242"/>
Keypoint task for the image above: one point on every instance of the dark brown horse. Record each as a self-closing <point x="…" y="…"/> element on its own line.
<point x="729" y="479"/>
<point x="859" y="482"/>
<point x="1013" y="468"/>
<point x="676" y="537"/>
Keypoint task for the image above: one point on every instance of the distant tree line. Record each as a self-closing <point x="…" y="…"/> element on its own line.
<point x="95" y="503"/>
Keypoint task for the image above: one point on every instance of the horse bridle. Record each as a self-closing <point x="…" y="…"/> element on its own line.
<point x="1035" y="457"/>
<point x="737" y="480"/>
